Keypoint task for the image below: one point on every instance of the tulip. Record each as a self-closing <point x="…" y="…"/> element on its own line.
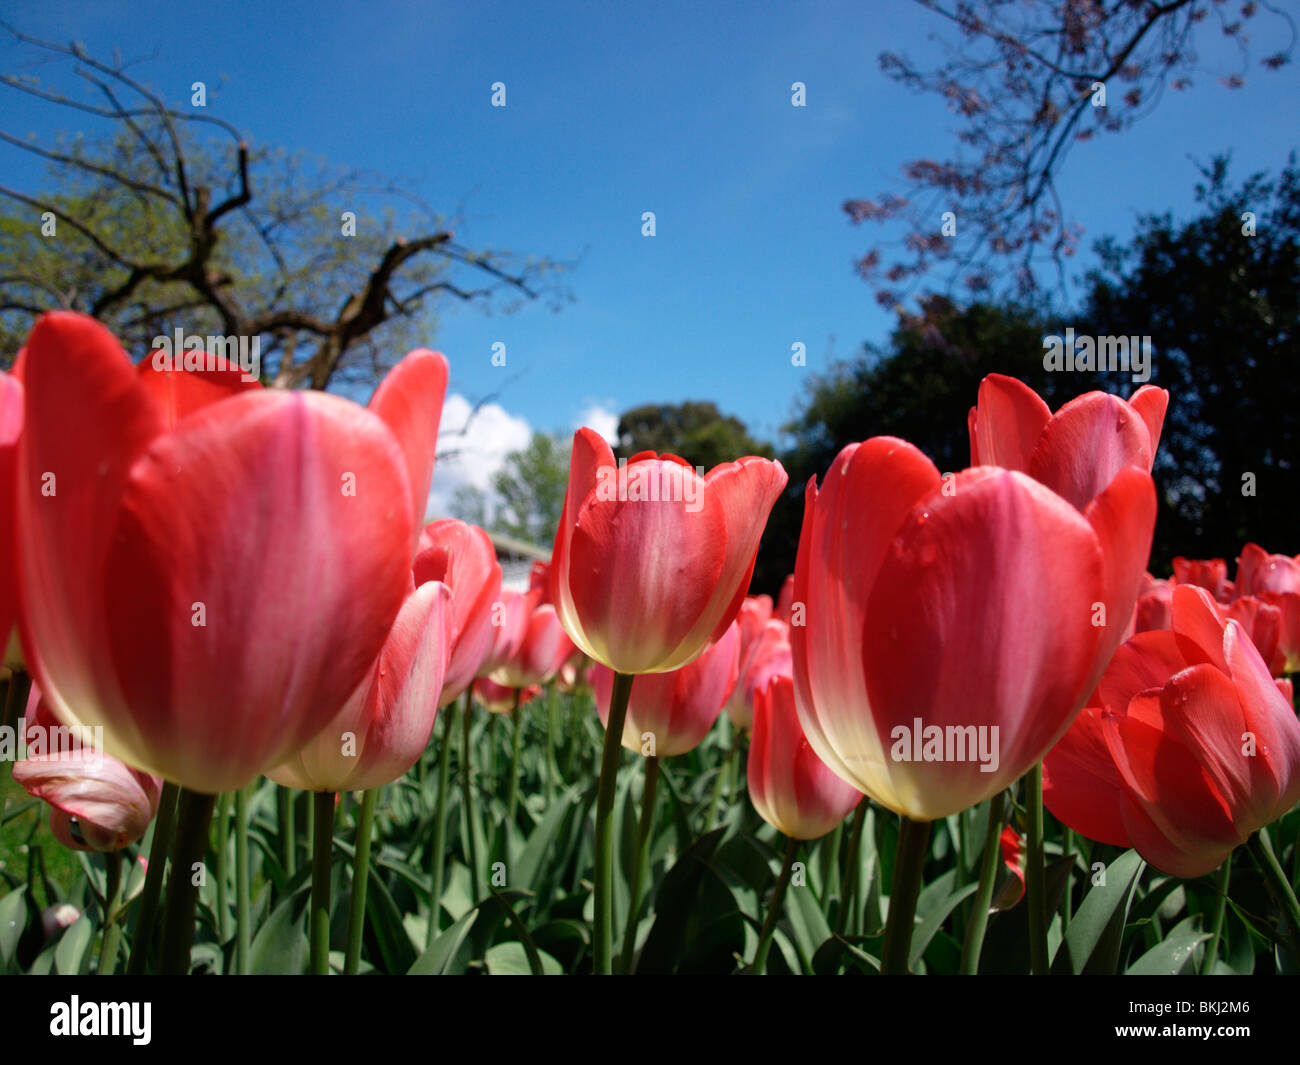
<point x="651" y="560"/>
<point x="791" y="788"/>
<point x="770" y="656"/>
<point x="462" y="557"/>
<point x="670" y="713"/>
<point x="1259" y="572"/>
<point x="385" y="725"/>
<point x="499" y="699"/>
<point x="1154" y="602"/>
<point x="543" y="649"/>
<point x="1188" y="749"/>
<point x="1210" y="574"/>
<point x="209" y="569"/>
<point x="785" y="602"/>
<point x="755" y="613"/>
<point x="98" y="804"/>
<point x="11" y="427"/>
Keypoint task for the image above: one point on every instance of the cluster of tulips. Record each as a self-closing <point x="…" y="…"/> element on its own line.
<point x="229" y="582"/>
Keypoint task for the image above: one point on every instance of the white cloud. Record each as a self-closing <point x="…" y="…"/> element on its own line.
<point x="602" y="418"/>
<point x="472" y="449"/>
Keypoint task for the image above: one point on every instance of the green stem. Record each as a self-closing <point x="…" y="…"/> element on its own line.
<point x="512" y="789"/>
<point x="1067" y="899"/>
<point x="550" y="743"/>
<point x="147" y="911"/>
<point x="438" y="858"/>
<point x="979" y="917"/>
<point x="849" y="903"/>
<point x="724" y="776"/>
<point x="112" y="928"/>
<point x="1218" y="905"/>
<point x="1262" y="851"/>
<point x="243" y="891"/>
<point x="360" y="881"/>
<point x="602" y="955"/>
<point x="641" y="861"/>
<point x="223" y="845"/>
<point x="467" y="795"/>
<point x="287" y="845"/>
<point x="774" y="908"/>
<point x="909" y="864"/>
<point x="494" y="723"/>
<point x="193" y="816"/>
<point x="1035" y="872"/>
<point x="321" y="853"/>
<point x="15" y="706"/>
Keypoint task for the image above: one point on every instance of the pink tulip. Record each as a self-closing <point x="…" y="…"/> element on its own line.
<point x="791" y="788"/>
<point x="770" y="655"/>
<point x="755" y="612"/>
<point x="545" y="647"/>
<point x="785" y="603"/>
<point x="498" y="699"/>
<point x="11" y="428"/>
<point x="1190" y="749"/>
<point x="670" y="713"/>
<point x="385" y="726"/>
<point x="209" y="569"/>
<point x="1210" y="574"/>
<point x="1259" y="572"/>
<point x="99" y="804"/>
<point x="977" y="609"/>
<point x="1154" y="604"/>
<point x="651" y="560"/>
<point x="462" y="557"/>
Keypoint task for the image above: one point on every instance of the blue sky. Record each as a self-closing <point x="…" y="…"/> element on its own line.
<point x="678" y="108"/>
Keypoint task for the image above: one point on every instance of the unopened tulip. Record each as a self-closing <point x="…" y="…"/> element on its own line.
<point x="11" y="427"/>
<point x="953" y="626"/>
<point x="651" y="560"/>
<point x="670" y="713"/>
<point x="770" y="655"/>
<point x="755" y="612"/>
<point x="384" y="727"/>
<point x="209" y="569"/>
<point x="98" y="804"/>
<point x="462" y="557"/>
<point x="1189" y="749"/>
<point x="1208" y="573"/>
<point x="1259" y="572"/>
<point x="499" y="699"/>
<point x="545" y="647"/>
<point x="791" y="788"/>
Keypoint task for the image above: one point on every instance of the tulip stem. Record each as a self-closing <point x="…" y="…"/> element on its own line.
<point x="360" y="881"/>
<point x="1035" y="873"/>
<point x="438" y="859"/>
<point x="147" y="912"/>
<point x="243" y="892"/>
<point x="853" y="870"/>
<point x="774" y="907"/>
<point x="550" y="743"/>
<point x="979" y="918"/>
<point x="602" y="956"/>
<point x="909" y="864"/>
<point x="222" y="818"/>
<point x="112" y="928"/>
<point x="1067" y="851"/>
<point x="193" y="816"/>
<point x="321" y="854"/>
<point x="287" y="844"/>
<point x="1262" y="851"/>
<point x="512" y="789"/>
<point x="467" y="795"/>
<point x="16" y="695"/>
<point x="641" y="862"/>
<point x="1218" y="905"/>
<point x="723" y="778"/>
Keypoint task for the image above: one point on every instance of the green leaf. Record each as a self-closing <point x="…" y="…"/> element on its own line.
<point x="13" y="920"/>
<point x="807" y="921"/>
<point x="924" y="932"/>
<point x="441" y="956"/>
<point x="1092" y="943"/>
<point x="385" y="920"/>
<point x="511" y="959"/>
<point x="540" y="843"/>
<point x="70" y="955"/>
<point x="1170" y="955"/>
<point x="838" y="950"/>
<point x="280" y="946"/>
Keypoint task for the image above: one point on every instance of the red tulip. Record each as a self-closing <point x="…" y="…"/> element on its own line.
<point x="545" y="647"/>
<point x="670" y="713"/>
<point x="498" y="699"/>
<point x="1154" y="603"/>
<point x="384" y="727"/>
<point x="1210" y="574"/>
<point x="1078" y="450"/>
<point x="1259" y="572"/>
<point x="769" y="656"/>
<point x="1189" y="749"/>
<point x="462" y="557"/>
<point x="791" y="788"/>
<point x="209" y="569"/>
<point x="755" y="612"/>
<point x="1013" y="857"/>
<point x="11" y="428"/>
<point x="785" y="602"/>
<point x="99" y="804"/>
<point x="652" y="561"/>
<point x="953" y="626"/>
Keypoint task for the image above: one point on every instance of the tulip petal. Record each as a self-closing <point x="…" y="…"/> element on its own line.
<point x="1006" y="423"/>
<point x="409" y="400"/>
<point x="1151" y="403"/>
<point x="1081" y="786"/>
<point x="177" y="393"/>
<point x="1086" y="444"/>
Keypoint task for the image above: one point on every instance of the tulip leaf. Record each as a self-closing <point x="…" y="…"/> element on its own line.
<point x="541" y="844"/>
<point x="70" y="955"/>
<point x="1172" y="954"/>
<point x="385" y="919"/>
<point x="440" y="958"/>
<point x="836" y="951"/>
<point x="13" y="920"/>
<point x="1093" y="941"/>
<point x="280" y="946"/>
<point x="18" y="811"/>
<point x="923" y="933"/>
<point x="511" y="959"/>
<point x="807" y="921"/>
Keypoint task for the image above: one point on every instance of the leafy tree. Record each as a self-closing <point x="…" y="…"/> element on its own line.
<point x="527" y="495"/>
<point x="695" y="431"/>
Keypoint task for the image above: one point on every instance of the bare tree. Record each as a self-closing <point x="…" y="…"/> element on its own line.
<point x="1028" y="79"/>
<point x="166" y="217"/>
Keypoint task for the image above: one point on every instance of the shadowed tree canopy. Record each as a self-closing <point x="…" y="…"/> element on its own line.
<point x="1027" y="80"/>
<point x="695" y="431"/>
<point x="161" y="216"/>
